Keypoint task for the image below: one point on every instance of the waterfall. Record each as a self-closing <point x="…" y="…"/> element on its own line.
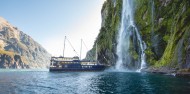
<point x="128" y="36"/>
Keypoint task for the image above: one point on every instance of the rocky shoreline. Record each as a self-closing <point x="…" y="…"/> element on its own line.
<point x="169" y="71"/>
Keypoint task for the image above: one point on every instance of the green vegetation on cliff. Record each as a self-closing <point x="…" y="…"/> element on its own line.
<point x="165" y="28"/>
<point x="107" y="38"/>
<point x="163" y="24"/>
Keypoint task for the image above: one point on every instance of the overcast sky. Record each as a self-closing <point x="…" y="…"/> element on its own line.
<point x="48" y="21"/>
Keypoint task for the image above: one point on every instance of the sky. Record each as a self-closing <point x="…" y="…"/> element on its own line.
<point x="49" y="21"/>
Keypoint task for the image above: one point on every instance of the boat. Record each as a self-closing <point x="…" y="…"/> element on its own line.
<point x="66" y="64"/>
<point x="74" y="64"/>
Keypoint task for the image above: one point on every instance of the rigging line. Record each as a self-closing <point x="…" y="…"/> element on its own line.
<point x="90" y="55"/>
<point x="72" y="47"/>
<point x="85" y="45"/>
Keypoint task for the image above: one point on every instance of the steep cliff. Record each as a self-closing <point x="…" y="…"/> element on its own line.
<point x="18" y="50"/>
<point x="107" y="38"/>
<point x="164" y="26"/>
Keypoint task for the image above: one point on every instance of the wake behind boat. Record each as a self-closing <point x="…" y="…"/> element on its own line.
<point x="74" y="63"/>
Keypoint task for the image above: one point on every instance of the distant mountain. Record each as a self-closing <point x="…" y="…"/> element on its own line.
<point x="18" y="50"/>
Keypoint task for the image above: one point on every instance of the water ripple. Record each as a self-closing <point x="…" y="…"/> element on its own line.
<point x="90" y="83"/>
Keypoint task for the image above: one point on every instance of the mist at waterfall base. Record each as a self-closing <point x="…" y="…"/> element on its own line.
<point x="44" y="82"/>
<point x="129" y="36"/>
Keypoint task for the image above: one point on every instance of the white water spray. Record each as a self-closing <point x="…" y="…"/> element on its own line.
<point x="127" y="30"/>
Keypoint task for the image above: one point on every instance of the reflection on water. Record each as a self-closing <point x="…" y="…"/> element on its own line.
<point x="44" y="82"/>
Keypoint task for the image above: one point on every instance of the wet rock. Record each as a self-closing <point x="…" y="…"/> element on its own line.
<point x="188" y="57"/>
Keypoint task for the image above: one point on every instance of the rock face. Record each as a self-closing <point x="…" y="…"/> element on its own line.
<point x="166" y="30"/>
<point x="163" y="25"/>
<point x="107" y="39"/>
<point x="18" y="50"/>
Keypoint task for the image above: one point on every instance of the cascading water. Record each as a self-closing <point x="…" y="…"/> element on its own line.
<point x="128" y="36"/>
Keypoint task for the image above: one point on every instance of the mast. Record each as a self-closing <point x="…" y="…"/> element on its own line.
<point x="64" y="47"/>
<point x="81" y="49"/>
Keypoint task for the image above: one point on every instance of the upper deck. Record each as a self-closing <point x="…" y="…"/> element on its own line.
<point x="59" y="61"/>
<point x="64" y="58"/>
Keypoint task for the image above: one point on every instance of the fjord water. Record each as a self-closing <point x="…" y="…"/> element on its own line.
<point x="127" y="31"/>
<point x="44" y="82"/>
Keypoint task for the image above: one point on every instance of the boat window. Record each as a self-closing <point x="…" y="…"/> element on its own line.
<point x="65" y="66"/>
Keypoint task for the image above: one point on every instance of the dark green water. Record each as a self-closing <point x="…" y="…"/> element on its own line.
<point x="44" y="82"/>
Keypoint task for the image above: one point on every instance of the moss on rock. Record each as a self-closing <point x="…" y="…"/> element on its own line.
<point x="167" y="40"/>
